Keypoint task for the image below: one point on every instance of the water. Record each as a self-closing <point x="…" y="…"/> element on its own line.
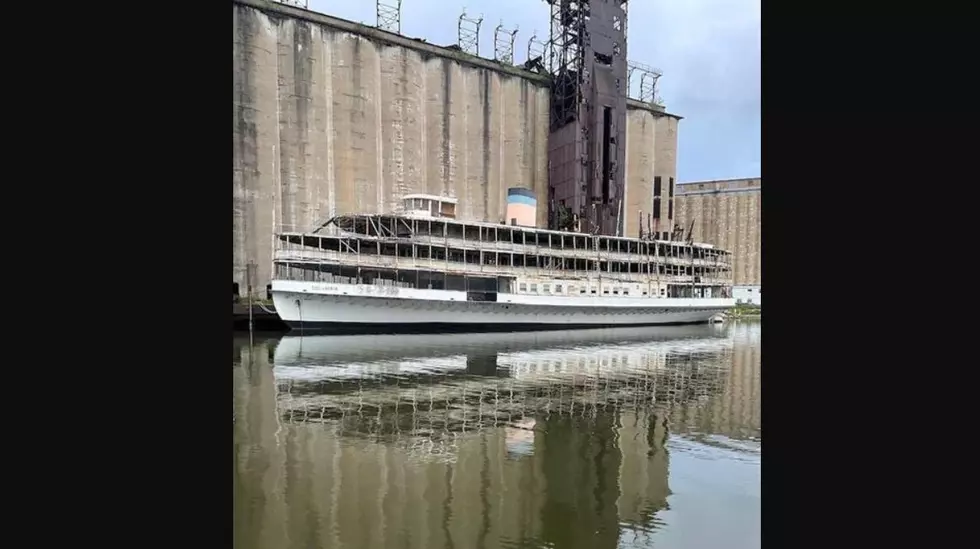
<point x="593" y="439"/>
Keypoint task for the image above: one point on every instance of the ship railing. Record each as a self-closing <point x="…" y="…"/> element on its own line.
<point x="307" y="275"/>
<point x="491" y="247"/>
<point x="390" y="262"/>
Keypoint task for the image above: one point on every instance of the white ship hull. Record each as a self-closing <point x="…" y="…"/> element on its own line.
<point x="314" y="306"/>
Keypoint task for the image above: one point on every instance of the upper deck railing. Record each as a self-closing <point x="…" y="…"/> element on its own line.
<point x="488" y="234"/>
<point x="394" y="263"/>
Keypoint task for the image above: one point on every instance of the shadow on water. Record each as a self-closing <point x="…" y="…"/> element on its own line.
<point x="544" y="439"/>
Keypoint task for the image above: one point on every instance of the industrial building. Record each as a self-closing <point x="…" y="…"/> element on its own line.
<point x="333" y="117"/>
<point x="728" y="214"/>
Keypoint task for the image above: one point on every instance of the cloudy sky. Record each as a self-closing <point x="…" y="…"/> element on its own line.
<point x="709" y="52"/>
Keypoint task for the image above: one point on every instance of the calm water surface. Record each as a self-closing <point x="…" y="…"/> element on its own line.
<point x="590" y="439"/>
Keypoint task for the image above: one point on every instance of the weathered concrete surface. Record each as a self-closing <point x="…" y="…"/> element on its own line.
<point x="665" y="165"/>
<point x="334" y="117"/>
<point x="327" y="121"/>
<point x="651" y="150"/>
<point x="727" y="214"/>
<point x="641" y="138"/>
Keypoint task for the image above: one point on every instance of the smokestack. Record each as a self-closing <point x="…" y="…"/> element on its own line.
<point x="522" y="206"/>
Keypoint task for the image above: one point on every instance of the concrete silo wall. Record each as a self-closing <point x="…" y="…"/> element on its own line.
<point x="332" y="117"/>
<point x="728" y="215"/>
<point x="640" y="155"/>
<point x="651" y="151"/>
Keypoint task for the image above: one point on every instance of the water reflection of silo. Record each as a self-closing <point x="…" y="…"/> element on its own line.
<point x="260" y="465"/>
<point x="728" y="399"/>
<point x="378" y="444"/>
<point x="580" y="462"/>
<point x="643" y="475"/>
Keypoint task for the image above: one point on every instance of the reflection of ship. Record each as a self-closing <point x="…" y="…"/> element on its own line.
<point x="366" y="478"/>
<point x="318" y="351"/>
<point x="388" y="387"/>
<point x="504" y="487"/>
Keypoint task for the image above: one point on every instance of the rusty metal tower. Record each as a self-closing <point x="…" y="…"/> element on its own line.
<point x="587" y="140"/>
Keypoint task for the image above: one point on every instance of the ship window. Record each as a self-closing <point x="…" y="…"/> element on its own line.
<point x="534" y="288"/>
<point x="523" y="286"/>
<point x="558" y="288"/>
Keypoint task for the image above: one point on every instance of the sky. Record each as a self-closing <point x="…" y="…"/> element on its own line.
<point x="708" y="50"/>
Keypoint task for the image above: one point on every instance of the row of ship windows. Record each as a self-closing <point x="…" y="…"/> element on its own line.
<point x="523" y="288"/>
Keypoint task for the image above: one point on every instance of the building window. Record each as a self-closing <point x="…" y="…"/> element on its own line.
<point x="656" y="208"/>
<point x="593" y="291"/>
<point x="534" y="288"/>
<point x="606" y="292"/>
<point x="582" y="291"/>
<point x="558" y="288"/>
<point x="644" y="293"/>
<point x="670" y="209"/>
<point x="546" y="288"/>
<point x="656" y="186"/>
<point x="626" y="292"/>
<point x="670" y="189"/>
<point x="615" y="291"/>
<point x="523" y="287"/>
